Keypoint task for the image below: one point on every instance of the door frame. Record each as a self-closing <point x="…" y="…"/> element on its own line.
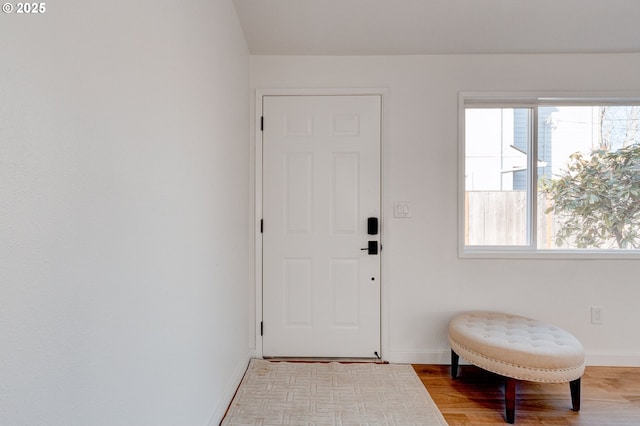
<point x="258" y="182"/>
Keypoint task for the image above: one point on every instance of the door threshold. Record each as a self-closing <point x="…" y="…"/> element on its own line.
<point x="345" y="360"/>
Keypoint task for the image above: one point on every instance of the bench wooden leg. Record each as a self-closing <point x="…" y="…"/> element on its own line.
<point x="455" y="359"/>
<point x="510" y="399"/>
<point x="575" y="394"/>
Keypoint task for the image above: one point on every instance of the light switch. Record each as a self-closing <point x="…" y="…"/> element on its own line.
<point x="402" y="209"/>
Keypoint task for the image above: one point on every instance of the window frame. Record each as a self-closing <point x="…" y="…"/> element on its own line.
<point x="530" y="100"/>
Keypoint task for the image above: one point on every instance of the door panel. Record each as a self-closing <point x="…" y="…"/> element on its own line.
<point x="321" y="181"/>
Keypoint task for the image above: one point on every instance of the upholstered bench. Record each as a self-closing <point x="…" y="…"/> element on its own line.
<point x="517" y="348"/>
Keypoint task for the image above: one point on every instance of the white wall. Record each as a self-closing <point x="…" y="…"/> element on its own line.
<point x="426" y="281"/>
<point x="124" y="213"/>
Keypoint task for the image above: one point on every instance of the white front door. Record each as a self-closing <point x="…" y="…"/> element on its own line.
<point x="321" y="183"/>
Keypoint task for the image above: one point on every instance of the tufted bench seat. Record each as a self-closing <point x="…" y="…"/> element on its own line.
<point x="517" y="348"/>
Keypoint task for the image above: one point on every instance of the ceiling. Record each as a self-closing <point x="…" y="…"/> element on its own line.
<point x="399" y="27"/>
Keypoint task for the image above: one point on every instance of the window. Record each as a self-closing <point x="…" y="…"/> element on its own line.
<point x="550" y="175"/>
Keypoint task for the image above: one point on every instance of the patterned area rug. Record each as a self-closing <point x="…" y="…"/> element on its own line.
<point x="286" y="393"/>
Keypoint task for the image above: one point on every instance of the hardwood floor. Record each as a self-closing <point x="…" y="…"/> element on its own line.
<point x="610" y="396"/>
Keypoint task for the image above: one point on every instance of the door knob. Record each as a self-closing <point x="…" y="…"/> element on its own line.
<point x="372" y="247"/>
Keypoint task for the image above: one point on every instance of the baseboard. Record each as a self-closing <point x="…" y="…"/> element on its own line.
<point x="613" y="360"/>
<point x="444" y="357"/>
<point x="420" y="357"/>
<point x="230" y="389"/>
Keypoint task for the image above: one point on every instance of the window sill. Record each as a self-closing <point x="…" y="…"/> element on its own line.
<point x="524" y="253"/>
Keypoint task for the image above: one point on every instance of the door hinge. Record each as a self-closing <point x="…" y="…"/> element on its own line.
<point x="261" y="328"/>
<point x="262" y="123"/>
<point x="261" y="226"/>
